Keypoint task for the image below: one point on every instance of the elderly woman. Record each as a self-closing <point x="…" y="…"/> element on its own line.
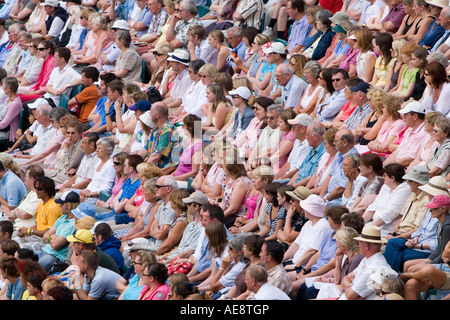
<point x="439" y="164"/>
<point x="319" y="47"/>
<point x="191" y="157"/>
<point x="155" y="286"/>
<point x="129" y="64"/>
<point x="308" y="101"/>
<point x="437" y="92"/>
<point x="10" y="113"/>
<point x="69" y="155"/>
<point x="236" y="186"/>
<point x="94" y="43"/>
<point x="104" y="174"/>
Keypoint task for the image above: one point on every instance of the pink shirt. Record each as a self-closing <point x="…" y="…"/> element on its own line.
<point x="388" y="129"/>
<point x="287" y="136"/>
<point x="160" y="293"/>
<point x="47" y="68"/>
<point x="12" y="118"/>
<point x="412" y="140"/>
<point x="185" y="165"/>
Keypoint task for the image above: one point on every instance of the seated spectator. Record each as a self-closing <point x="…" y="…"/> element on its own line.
<point x="407" y="77"/>
<point x="318" y="48"/>
<point x="308" y="100"/>
<point x="390" y="128"/>
<point x="219" y="110"/>
<point x="128" y="66"/>
<point x="280" y="156"/>
<point x="413" y="115"/>
<point x="27" y="76"/>
<point x="351" y="169"/>
<point x="393" y="20"/>
<point x="394" y="74"/>
<point x="362" y="110"/>
<point x="421" y="23"/>
<point x="341" y="46"/>
<point x="12" y="189"/>
<point x="438" y="164"/>
<point x="10" y="113"/>
<point x="106" y="241"/>
<point x="371" y="168"/>
<point x="102" y="289"/>
<point x="257" y="282"/>
<point x="57" y="16"/>
<point x="392" y="197"/>
<point x="77" y="28"/>
<point x="275" y="213"/>
<point x="216" y="41"/>
<point x="385" y="61"/>
<point x="254" y="56"/>
<point x="155" y="287"/>
<point x="420" y="61"/>
<point x="436" y="82"/>
<point x="15" y="289"/>
<point x="72" y="155"/>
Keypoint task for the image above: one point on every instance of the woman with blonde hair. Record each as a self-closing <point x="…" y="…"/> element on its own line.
<point x="208" y="73"/>
<point x="218" y="109"/>
<point x="407" y="78"/>
<point x="160" y="53"/>
<point x="216" y="39"/>
<point x="398" y="64"/>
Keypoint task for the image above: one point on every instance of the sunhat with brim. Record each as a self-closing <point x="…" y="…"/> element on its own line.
<point x="418" y="174"/>
<point x="436" y="185"/>
<point x="121" y="24"/>
<point x="82" y="236"/>
<point x="438" y="3"/>
<point x="382" y="273"/>
<point x="180" y="56"/>
<point x="338" y="17"/>
<point x="339" y="29"/>
<point x="300" y="193"/>
<point x="86" y="222"/>
<point x="146" y="118"/>
<point x="314" y="205"/>
<point x="441" y="200"/>
<point x="371" y="234"/>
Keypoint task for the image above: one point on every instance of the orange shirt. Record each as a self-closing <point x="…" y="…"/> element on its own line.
<point x="86" y="100"/>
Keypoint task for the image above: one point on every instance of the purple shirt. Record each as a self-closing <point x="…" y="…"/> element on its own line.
<point x="395" y="15"/>
<point x="12" y="118"/>
<point x="185" y="165"/>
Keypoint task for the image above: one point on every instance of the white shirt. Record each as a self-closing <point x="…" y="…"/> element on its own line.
<point x="270" y="292"/>
<point x="59" y="79"/>
<point x="87" y="167"/>
<point x="388" y="206"/>
<point x="181" y="85"/>
<point x="44" y="136"/>
<point x="102" y="180"/>
<point x="311" y="237"/>
<point x="298" y="154"/>
<point x="194" y="98"/>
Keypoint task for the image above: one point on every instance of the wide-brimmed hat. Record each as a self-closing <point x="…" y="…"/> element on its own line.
<point x="382" y="273"/>
<point x="436" y="185"/>
<point x="418" y="174"/>
<point x="371" y="234"/>
<point x="438" y="3"/>
<point x="121" y="24"/>
<point x="314" y="205"/>
<point x="300" y="193"/>
<point x="179" y="55"/>
<point x="82" y="236"/>
<point x="338" y="17"/>
<point x="86" y="222"/>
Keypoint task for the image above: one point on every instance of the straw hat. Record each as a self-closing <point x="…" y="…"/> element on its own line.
<point x="371" y="234"/>
<point x="436" y="185"/>
<point x="87" y="223"/>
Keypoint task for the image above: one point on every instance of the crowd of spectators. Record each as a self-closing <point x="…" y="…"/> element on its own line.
<point x="233" y="150"/>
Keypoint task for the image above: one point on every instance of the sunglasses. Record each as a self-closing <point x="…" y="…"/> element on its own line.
<point x="158" y="186"/>
<point x="157" y="54"/>
<point x="116" y="163"/>
<point x="336" y="80"/>
<point x="41" y="49"/>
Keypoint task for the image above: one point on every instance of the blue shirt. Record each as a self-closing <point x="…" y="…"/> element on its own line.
<point x="434" y="32"/>
<point x="129" y="188"/>
<point x="298" y="33"/>
<point x="337" y="174"/>
<point x="332" y="106"/>
<point x="146" y="18"/>
<point x="15" y="290"/>
<point x="310" y="163"/>
<point x="12" y="189"/>
<point x="327" y="250"/>
<point x="204" y="262"/>
<point x="427" y="231"/>
<point x="124" y="10"/>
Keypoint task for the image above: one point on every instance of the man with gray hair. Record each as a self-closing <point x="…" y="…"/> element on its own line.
<point x="256" y="278"/>
<point x="299" y="150"/>
<point x="44" y="131"/>
<point x="185" y="17"/>
<point x="292" y="86"/>
<point x="443" y="44"/>
<point x="270" y="136"/>
<point x="10" y="54"/>
<point x="165" y="216"/>
<point x="307" y="168"/>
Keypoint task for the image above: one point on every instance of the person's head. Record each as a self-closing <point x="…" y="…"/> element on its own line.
<point x="159" y="112"/>
<point x="260" y="105"/>
<point x="323" y="22"/>
<point x="435" y="74"/>
<point x="194" y="67"/>
<point x="89" y="142"/>
<point x="217" y="236"/>
<point x="89" y="75"/>
<point x="376" y="97"/>
<point x="311" y="71"/>
<point x="363" y="40"/>
<point x="10" y="85"/>
<point x="295" y="8"/>
<point x="283" y="74"/>
<point x="33" y="281"/>
<point x="255" y="277"/>
<point x="105" y="147"/>
<point x="216" y="38"/>
<point x="371" y="164"/>
<point x="339" y="79"/>
<point x="56" y="115"/>
<point x="328" y="140"/>
<point x="211" y="213"/>
<point x="182" y="290"/>
<point x="45" y="49"/>
<point x="123" y="38"/>
<point x="192" y="125"/>
<point x="147" y="170"/>
<point x="208" y="73"/>
<point x="391" y="105"/>
<point x="393" y="285"/>
<point x="8" y="267"/>
<point x="419" y="58"/>
<point x="45" y="187"/>
<point x="8" y="247"/>
<point x="60" y="293"/>
<point x="88" y="260"/>
<point x="187" y="9"/>
<point x="311" y="14"/>
<point x="26" y="254"/>
<point x="344" y="140"/>
<point x="326" y="81"/>
<point x="131" y="163"/>
<point x="197" y="33"/>
<point x="407" y="51"/>
<point x="441" y="130"/>
<point x="102" y="232"/>
<point x="370" y="241"/>
<point x="225" y="81"/>
<point x="297" y="63"/>
<point x="271" y="254"/>
<point x="49" y="283"/>
<point x="232" y="164"/>
<point x="283" y="117"/>
<point x="234" y="36"/>
<point x="13" y="32"/>
<point x="397" y="46"/>
<point x="353" y="220"/>
<point x="114" y="89"/>
<point x="314" y="134"/>
<point x="334" y="215"/>
<point x="261" y="176"/>
<point x="118" y="163"/>
<point x="62" y="56"/>
<point x="393" y="174"/>
<point x="351" y="163"/>
<point x="383" y="44"/>
<point x="24" y="40"/>
<point x="271" y="194"/>
<point x="176" y="200"/>
<point x="249" y="34"/>
<point x="252" y="246"/>
<point x="156" y="273"/>
<point x="215" y="95"/>
<point x="444" y="17"/>
<point x="164" y="186"/>
<point x="345" y="240"/>
<point x="284" y="199"/>
<point x="272" y="115"/>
